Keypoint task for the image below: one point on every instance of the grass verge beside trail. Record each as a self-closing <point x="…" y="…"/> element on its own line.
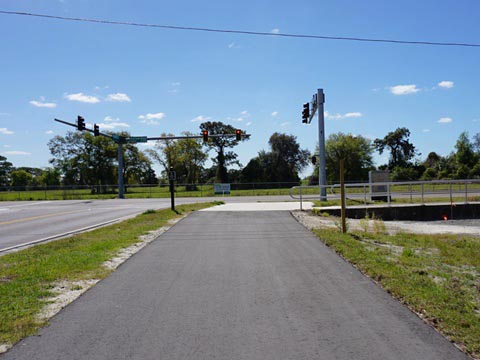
<point x="27" y="276"/>
<point x="437" y="276"/>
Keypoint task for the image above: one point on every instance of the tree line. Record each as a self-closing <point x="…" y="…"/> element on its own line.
<point x="79" y="158"/>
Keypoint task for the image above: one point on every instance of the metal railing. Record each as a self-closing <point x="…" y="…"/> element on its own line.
<point x="405" y="191"/>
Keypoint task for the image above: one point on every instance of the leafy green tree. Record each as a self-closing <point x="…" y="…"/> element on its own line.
<point x="50" y="177"/>
<point x="402" y="151"/>
<point x="84" y="159"/>
<point x="355" y="150"/>
<point x="465" y="154"/>
<point x="20" y="179"/>
<point x="282" y="164"/>
<point x="137" y="166"/>
<point x="184" y="155"/>
<point x="220" y="145"/>
<point x="6" y="168"/>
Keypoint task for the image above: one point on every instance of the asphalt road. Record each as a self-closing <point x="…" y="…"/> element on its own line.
<point x="236" y="285"/>
<point x="30" y="221"/>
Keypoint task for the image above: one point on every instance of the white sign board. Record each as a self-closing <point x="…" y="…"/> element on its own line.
<point x="221" y="188"/>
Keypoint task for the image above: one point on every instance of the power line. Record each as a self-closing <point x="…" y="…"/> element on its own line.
<point x="244" y="32"/>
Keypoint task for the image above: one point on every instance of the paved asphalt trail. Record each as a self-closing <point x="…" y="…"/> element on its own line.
<point x="236" y="285"/>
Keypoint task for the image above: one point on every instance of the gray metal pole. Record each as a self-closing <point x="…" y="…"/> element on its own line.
<point x="120" y="171"/>
<point x="322" y="173"/>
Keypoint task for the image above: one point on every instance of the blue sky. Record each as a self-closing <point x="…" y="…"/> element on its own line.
<point x="150" y="81"/>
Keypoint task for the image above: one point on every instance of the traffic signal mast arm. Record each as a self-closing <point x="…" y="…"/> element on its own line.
<point x="117" y="138"/>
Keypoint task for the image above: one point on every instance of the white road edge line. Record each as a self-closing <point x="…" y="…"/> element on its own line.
<point x="72" y="232"/>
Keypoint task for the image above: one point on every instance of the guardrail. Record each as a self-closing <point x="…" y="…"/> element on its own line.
<point x="411" y="191"/>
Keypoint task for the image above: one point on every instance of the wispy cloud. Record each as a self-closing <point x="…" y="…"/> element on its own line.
<point x="80" y="97"/>
<point x="42" y="103"/>
<point x="348" y="115"/>
<point x="119" y="97"/>
<point x="249" y="123"/>
<point x="445" y="120"/>
<point x="446" y="84"/>
<point x="275" y="113"/>
<point x="245" y="114"/>
<point x="404" y="89"/>
<point x="201" y="118"/>
<point x="49" y="132"/>
<point x="233" y="46"/>
<point x="113" y="125"/>
<point x="110" y="119"/>
<point x="5" y="131"/>
<point x="175" y="87"/>
<point x="16" y="153"/>
<point x="151" y="119"/>
<point x="284" y="124"/>
<point x="426" y="130"/>
<point x="275" y="31"/>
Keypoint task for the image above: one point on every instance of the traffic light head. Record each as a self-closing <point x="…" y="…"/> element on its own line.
<point x="96" y="130"/>
<point x="305" y="112"/>
<point x="238" y="134"/>
<point x="314" y="160"/>
<point x="80" y="123"/>
<point x="205" y="135"/>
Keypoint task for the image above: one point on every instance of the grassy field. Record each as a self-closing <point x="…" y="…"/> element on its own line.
<point x="137" y="192"/>
<point x="437" y="276"/>
<point x="27" y="276"/>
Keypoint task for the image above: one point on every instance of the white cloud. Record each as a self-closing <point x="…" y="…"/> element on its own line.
<point x="275" y="113"/>
<point x="176" y="83"/>
<point x="426" y="130"/>
<point x="80" y="97"/>
<point x="201" y="118"/>
<point x="233" y="46"/>
<point x="275" y="31"/>
<point x="284" y="124"/>
<point x="113" y="125"/>
<point x="404" y="89"/>
<point x="248" y="123"/>
<point x="110" y="119"/>
<point x="245" y="113"/>
<point x="49" y="132"/>
<point x="349" y="115"/>
<point x="43" y="104"/>
<point x="353" y="115"/>
<point x="16" y="153"/>
<point x="119" y="97"/>
<point x="446" y="84"/>
<point x="151" y="119"/>
<point x="5" y="131"/>
<point x="445" y="120"/>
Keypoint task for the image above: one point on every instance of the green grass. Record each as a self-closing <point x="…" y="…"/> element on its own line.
<point x="438" y="276"/>
<point x="27" y="276"/>
<point x="137" y="192"/>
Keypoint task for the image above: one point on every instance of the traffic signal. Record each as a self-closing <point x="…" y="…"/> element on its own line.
<point x="205" y="135"/>
<point x="314" y="160"/>
<point x="96" y="130"/>
<point x="305" y="113"/>
<point x="238" y="134"/>
<point x="80" y="123"/>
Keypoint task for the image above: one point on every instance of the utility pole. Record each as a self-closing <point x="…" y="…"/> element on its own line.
<point x="307" y="116"/>
<point x="322" y="172"/>
<point x="121" y="190"/>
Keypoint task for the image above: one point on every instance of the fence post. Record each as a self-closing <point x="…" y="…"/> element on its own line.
<point x="466" y="193"/>
<point x="410" y="188"/>
<point x="388" y="194"/>
<point x="423" y="198"/>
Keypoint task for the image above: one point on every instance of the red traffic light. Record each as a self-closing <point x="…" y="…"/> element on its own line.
<point x="238" y="134"/>
<point x="205" y="135"/>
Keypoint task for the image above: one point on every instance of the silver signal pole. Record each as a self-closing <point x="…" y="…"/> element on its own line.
<point x="322" y="173"/>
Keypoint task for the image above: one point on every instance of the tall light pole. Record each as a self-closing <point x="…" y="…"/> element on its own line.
<point x="322" y="172"/>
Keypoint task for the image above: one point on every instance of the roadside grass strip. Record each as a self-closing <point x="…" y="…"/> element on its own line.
<point x="30" y="279"/>
<point x="436" y="276"/>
